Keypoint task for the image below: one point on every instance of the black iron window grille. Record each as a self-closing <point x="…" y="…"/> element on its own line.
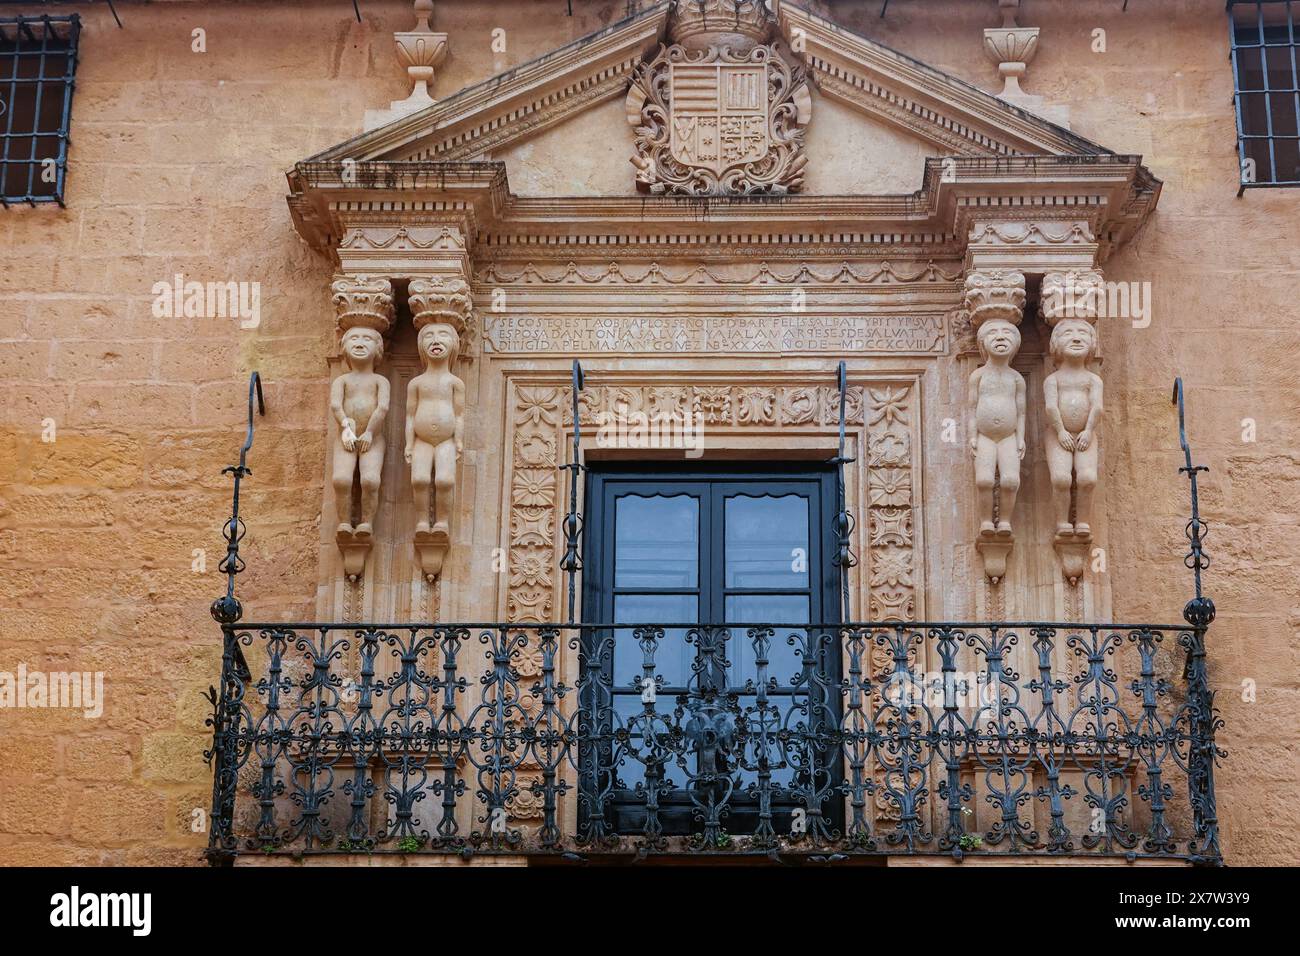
<point x="38" y="62"/>
<point x="1267" y="82"/>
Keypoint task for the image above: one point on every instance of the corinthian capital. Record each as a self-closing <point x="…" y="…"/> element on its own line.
<point x="362" y="301"/>
<point x="995" y="294"/>
<point x="442" y="300"/>
<point x="1072" y="295"/>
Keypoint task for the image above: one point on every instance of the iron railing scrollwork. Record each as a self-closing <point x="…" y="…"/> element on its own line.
<point x="944" y="738"/>
<point x="820" y="742"/>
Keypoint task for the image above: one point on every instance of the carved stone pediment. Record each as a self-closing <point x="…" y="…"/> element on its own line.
<point x="719" y="113"/>
<point x="688" y="72"/>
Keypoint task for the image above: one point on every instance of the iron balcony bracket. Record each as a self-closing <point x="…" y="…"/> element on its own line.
<point x="227" y="609"/>
<point x="571" y="563"/>
<point x="1199" y="611"/>
<point x="842" y="524"/>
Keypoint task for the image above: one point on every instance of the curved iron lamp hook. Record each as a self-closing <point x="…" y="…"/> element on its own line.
<point x="227" y="609"/>
<point x="254" y="389"/>
<point x="1199" y="611"/>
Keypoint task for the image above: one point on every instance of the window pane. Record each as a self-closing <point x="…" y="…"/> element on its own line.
<point x="1287" y="156"/>
<point x="767" y="542"/>
<point x="672" y="656"/>
<point x="656" y="541"/>
<point x="783" y="662"/>
<point x="1278" y="59"/>
<point x="1284" y="119"/>
<point x="1254" y="114"/>
<point x="1249" y="74"/>
<point x="1257" y="151"/>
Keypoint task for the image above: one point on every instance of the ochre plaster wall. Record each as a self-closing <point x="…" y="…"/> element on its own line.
<point x="177" y="167"/>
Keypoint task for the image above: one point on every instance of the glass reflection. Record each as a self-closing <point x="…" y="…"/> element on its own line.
<point x="767" y="541"/>
<point x="656" y="541"/>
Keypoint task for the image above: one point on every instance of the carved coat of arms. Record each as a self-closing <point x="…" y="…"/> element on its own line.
<point x="719" y="122"/>
<point x="719" y="113"/>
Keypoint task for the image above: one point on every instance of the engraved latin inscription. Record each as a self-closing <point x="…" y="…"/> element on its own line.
<point x="908" y="333"/>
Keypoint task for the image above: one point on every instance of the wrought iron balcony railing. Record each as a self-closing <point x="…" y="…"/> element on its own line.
<point x="822" y="741"/>
<point x="865" y="739"/>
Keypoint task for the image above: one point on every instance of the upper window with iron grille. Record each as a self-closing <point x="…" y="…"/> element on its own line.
<point x="1265" y="61"/>
<point x="38" y="59"/>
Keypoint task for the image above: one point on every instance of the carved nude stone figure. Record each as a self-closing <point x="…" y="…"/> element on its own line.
<point x="359" y="402"/>
<point x="997" y="427"/>
<point x="435" y="406"/>
<point x="1074" y="405"/>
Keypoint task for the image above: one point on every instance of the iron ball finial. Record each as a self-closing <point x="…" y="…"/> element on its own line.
<point x="227" y="610"/>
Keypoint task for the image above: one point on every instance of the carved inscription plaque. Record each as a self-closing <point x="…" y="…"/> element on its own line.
<point x="889" y="334"/>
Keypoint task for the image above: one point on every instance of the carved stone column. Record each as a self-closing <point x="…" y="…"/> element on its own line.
<point x="995" y="302"/>
<point x="359" y="403"/>
<point x="1071" y="302"/>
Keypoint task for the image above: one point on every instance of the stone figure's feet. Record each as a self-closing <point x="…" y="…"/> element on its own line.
<point x="1064" y="527"/>
<point x="364" y="528"/>
<point x="987" y="527"/>
<point x="344" y="528"/>
<point x="439" y="527"/>
<point x="1082" y="528"/>
<point x="1004" y="528"/>
<point x="422" y="527"/>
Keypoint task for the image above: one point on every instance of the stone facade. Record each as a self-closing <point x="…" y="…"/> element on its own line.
<point x="116" y="423"/>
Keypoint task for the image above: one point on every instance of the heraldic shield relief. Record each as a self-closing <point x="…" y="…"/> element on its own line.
<point x="719" y="113"/>
<point x="716" y="122"/>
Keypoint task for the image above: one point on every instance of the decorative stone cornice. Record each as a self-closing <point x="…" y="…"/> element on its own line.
<point x="1043" y="196"/>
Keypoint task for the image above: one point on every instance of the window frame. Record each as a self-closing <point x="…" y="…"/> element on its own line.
<point x="624" y="813"/>
<point x="23" y="30"/>
<point x="1262" y="44"/>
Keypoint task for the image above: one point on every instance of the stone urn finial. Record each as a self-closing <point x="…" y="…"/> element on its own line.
<point x="1012" y="48"/>
<point x="420" y="51"/>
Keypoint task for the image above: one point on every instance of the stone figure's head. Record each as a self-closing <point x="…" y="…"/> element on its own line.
<point x="998" y="337"/>
<point x="361" y="344"/>
<point x="438" y="341"/>
<point x="1073" y="338"/>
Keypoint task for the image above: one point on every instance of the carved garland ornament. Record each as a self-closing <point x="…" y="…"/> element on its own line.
<point x="714" y="122"/>
<point x="762" y="274"/>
